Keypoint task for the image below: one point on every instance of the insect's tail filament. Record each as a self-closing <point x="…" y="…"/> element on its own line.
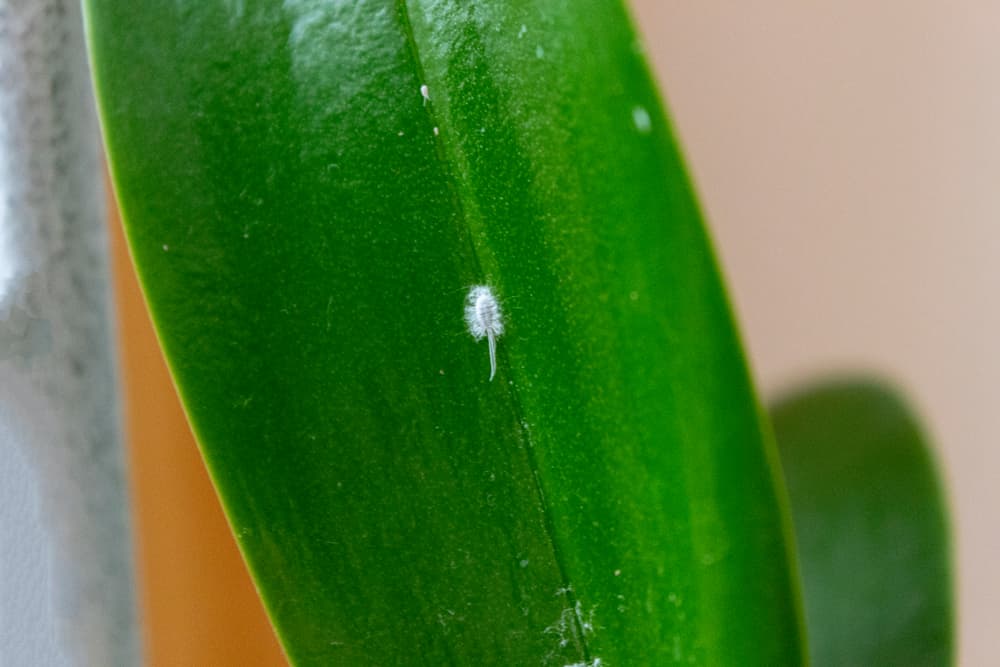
<point x="493" y="353"/>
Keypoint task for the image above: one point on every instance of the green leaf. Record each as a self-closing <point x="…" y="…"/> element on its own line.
<point x="310" y="189"/>
<point x="871" y="524"/>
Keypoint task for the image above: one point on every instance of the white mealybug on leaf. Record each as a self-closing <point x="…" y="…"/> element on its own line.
<point x="485" y="320"/>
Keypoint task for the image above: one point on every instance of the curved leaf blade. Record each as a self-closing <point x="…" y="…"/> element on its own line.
<point x="309" y="191"/>
<point x="872" y="528"/>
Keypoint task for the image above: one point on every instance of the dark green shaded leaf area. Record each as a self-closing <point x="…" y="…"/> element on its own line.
<point x="306" y="224"/>
<point x="871" y="524"/>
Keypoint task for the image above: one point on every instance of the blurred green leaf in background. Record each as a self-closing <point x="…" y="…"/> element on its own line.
<point x="872" y="527"/>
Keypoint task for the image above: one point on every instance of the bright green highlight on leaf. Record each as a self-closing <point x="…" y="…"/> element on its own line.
<point x="872" y="528"/>
<point x="310" y="189"/>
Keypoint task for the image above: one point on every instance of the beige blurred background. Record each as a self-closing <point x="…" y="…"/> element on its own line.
<point x="847" y="155"/>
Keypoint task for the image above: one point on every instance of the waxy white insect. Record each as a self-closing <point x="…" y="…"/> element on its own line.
<point x="484" y="319"/>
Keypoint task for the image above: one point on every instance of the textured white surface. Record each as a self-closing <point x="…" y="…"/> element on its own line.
<point x="27" y="561"/>
<point x="848" y="156"/>
<point x="66" y="582"/>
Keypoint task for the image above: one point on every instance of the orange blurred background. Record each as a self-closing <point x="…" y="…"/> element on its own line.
<point x="197" y="601"/>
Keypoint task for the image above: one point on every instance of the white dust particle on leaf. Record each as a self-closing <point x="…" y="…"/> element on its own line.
<point x="640" y="117"/>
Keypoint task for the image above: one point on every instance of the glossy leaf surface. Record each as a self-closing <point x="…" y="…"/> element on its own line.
<point x="310" y="188"/>
<point x="871" y="525"/>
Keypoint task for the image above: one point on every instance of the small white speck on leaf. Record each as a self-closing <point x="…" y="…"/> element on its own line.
<point x="641" y="119"/>
<point x="596" y="662"/>
<point x="425" y="92"/>
<point x="436" y="131"/>
<point x="165" y="247"/>
<point x="400" y="133"/>
<point x="539" y="52"/>
<point x="484" y="319"/>
<point x="523" y="30"/>
<point x="524" y="563"/>
<point x="618" y="573"/>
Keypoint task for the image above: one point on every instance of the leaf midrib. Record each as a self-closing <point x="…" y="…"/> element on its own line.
<point x="463" y="201"/>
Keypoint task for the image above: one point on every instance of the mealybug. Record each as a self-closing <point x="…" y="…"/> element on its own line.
<point x="485" y="320"/>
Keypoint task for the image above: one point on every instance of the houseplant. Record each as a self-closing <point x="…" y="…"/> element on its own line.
<point x="310" y="192"/>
